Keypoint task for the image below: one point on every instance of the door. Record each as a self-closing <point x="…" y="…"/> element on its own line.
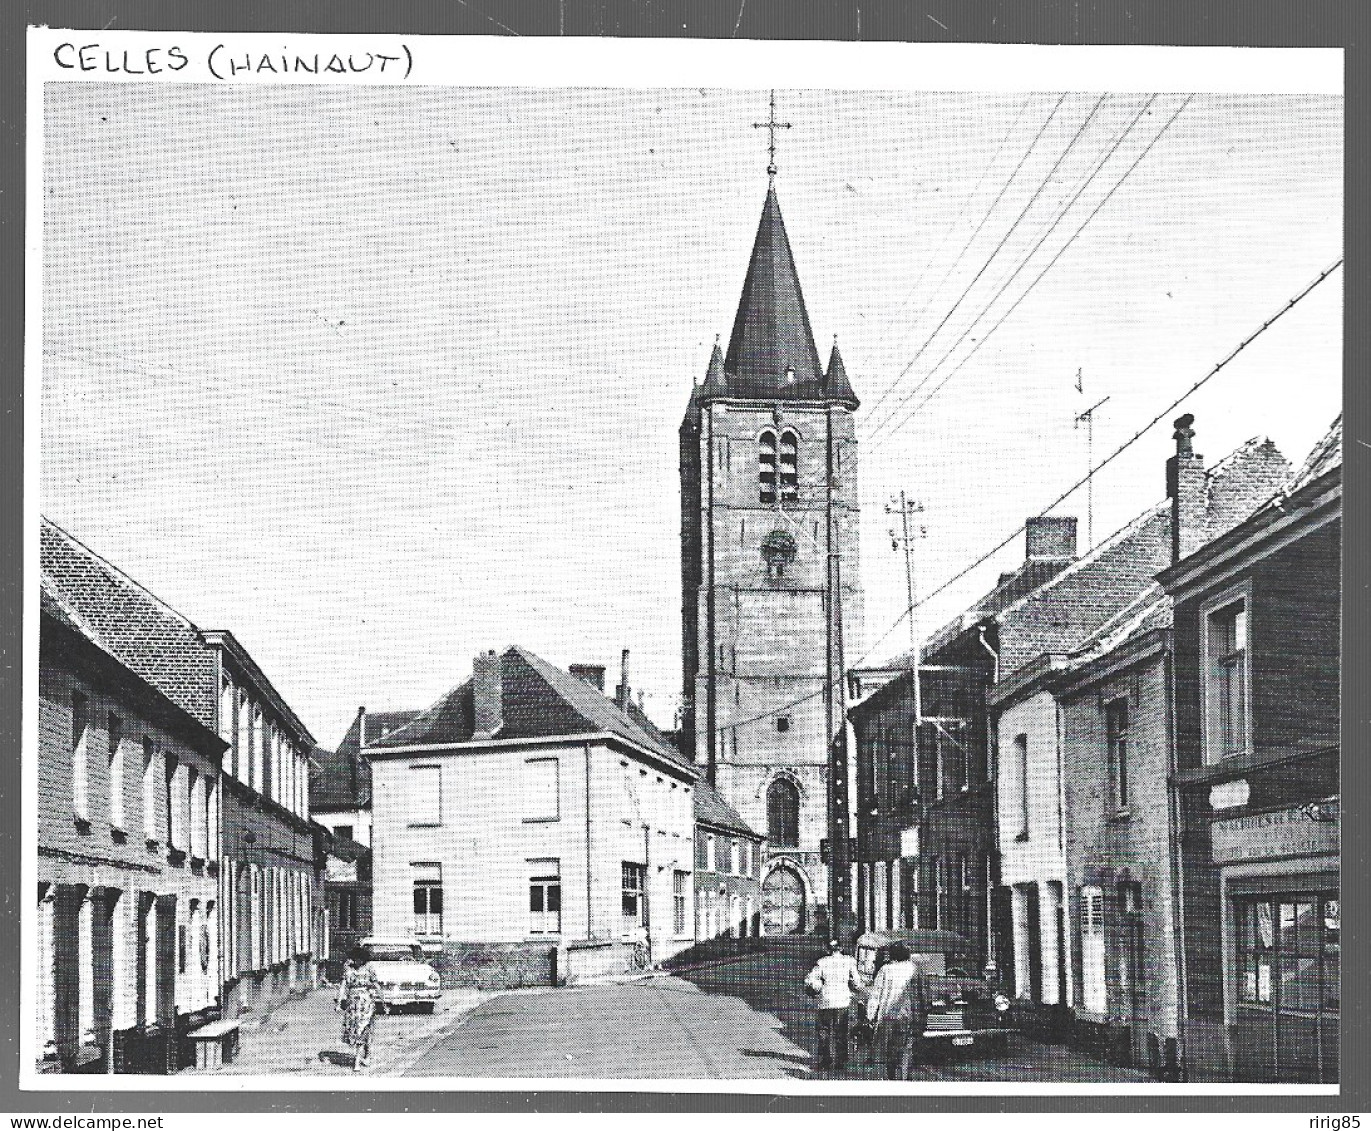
<point x="783" y="903"/>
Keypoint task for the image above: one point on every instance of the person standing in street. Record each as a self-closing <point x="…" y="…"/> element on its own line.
<point x="893" y="1008"/>
<point x="831" y="982"/>
<point x="357" y="999"/>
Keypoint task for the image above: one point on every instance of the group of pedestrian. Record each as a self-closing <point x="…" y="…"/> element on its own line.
<point x="896" y="1009"/>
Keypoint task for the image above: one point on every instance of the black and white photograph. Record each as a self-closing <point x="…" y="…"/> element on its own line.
<point x="748" y="567"/>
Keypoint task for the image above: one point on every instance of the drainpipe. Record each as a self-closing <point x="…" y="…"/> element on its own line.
<point x="1177" y="866"/>
<point x="590" y="924"/>
<point x="992" y="747"/>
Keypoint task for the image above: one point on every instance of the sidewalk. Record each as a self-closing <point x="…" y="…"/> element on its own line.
<point x="303" y="1037"/>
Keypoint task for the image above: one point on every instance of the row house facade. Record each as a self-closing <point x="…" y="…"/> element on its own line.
<point x="1257" y="794"/>
<point x="584" y="867"/>
<point x="729" y="856"/>
<point x="246" y="925"/>
<point x="127" y="923"/>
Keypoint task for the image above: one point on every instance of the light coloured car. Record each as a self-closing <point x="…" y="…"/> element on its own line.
<point x="402" y="976"/>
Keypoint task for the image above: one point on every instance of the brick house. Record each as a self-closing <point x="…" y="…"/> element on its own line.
<point x="526" y="827"/>
<point x="340" y="781"/>
<point x="127" y="863"/>
<point x="255" y="840"/>
<point x="347" y="899"/>
<point x="728" y="870"/>
<point x="1257" y="709"/>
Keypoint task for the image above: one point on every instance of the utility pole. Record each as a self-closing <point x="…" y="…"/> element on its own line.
<point x="906" y="538"/>
<point x="1088" y="418"/>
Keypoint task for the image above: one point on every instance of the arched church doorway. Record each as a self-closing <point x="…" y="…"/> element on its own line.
<point x="783" y="902"/>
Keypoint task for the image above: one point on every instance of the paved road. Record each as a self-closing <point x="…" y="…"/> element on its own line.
<point x="747" y="1019"/>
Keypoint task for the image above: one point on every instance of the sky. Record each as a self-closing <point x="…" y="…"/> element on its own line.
<point x="381" y="377"/>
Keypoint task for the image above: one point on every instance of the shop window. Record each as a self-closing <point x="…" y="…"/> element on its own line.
<point x="545" y="897"/>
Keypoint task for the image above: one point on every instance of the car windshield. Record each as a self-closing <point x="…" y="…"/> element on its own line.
<point x="396" y="953"/>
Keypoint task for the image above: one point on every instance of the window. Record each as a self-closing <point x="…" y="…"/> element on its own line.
<point x="182" y="938"/>
<point x="343" y="831"/>
<point x="938" y="907"/>
<point x="1116" y="741"/>
<point x="965" y="903"/>
<point x="1227" y="680"/>
<point x="782" y="723"/>
<point x="45" y="1014"/>
<point x="149" y="789"/>
<point x="679" y="882"/>
<point x="195" y="813"/>
<point x="789" y="468"/>
<point x="541" y="789"/>
<point x="258" y="750"/>
<point x="1021" y="766"/>
<point x="174" y="814"/>
<point x="633" y="877"/>
<point x="545" y="897"/>
<point x="80" y="768"/>
<point x="345" y="911"/>
<point x="428" y="899"/>
<point x="425" y="796"/>
<point x="1288" y="953"/>
<point x="783" y="814"/>
<point x="702" y="851"/>
<point x="710" y="853"/>
<point x="1092" y="950"/>
<point x="116" y="771"/>
<point x="766" y="467"/>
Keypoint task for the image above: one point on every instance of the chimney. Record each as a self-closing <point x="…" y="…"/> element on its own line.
<point x="621" y="692"/>
<point x="1187" y="490"/>
<point x="593" y="674"/>
<point x="1051" y="538"/>
<point x="488" y="693"/>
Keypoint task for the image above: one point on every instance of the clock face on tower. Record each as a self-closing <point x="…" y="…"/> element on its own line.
<point x="778" y="551"/>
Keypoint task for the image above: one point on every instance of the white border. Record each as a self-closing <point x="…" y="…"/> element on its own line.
<point x="599" y="62"/>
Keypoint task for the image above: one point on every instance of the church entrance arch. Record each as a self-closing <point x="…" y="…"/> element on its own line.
<point x="783" y="902"/>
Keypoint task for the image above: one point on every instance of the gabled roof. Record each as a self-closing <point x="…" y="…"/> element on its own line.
<point x="1326" y="455"/>
<point x="342" y="779"/>
<point x="712" y="810"/>
<point x="538" y="701"/>
<point x="771" y="331"/>
<point x="138" y="629"/>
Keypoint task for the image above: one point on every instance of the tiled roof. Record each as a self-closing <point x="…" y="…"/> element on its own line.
<point x="711" y="809"/>
<point x="342" y="779"/>
<point x="142" y="632"/>
<point x="1241" y="482"/>
<point x="1327" y="454"/>
<point x="538" y="701"/>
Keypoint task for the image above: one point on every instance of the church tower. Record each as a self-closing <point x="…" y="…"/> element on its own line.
<point x="769" y="527"/>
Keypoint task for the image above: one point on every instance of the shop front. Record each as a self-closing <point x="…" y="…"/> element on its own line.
<point x="1278" y="873"/>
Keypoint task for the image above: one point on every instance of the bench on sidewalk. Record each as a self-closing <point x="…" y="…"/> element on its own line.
<point x="215" y="1044"/>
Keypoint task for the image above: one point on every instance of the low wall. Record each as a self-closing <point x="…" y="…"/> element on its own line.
<point x="495" y="966"/>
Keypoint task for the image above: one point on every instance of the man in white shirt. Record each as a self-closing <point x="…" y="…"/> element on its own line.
<point x="832" y="981"/>
<point x="894" y="1007"/>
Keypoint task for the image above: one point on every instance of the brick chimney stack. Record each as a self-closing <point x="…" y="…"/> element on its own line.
<point x="361" y="745"/>
<point x="1050" y="537"/>
<point x="593" y="674"/>
<point x="621" y="692"/>
<point x="488" y="694"/>
<point x="1186" y="488"/>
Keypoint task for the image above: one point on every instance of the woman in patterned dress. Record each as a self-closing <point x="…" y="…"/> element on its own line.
<point x="357" y="996"/>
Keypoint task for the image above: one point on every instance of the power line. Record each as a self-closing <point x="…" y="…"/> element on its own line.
<point x="946" y="234"/>
<point x="1031" y="286"/>
<point x="1008" y="538"/>
<point x="998" y="248"/>
<point x="1086" y="181"/>
<point x="988" y="213"/>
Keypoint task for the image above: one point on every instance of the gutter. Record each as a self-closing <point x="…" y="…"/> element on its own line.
<point x="476" y="746"/>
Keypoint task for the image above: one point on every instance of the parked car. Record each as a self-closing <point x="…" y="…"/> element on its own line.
<point x="402" y="975"/>
<point x="963" y="1011"/>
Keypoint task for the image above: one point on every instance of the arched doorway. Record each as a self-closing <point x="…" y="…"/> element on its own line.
<point x="783" y="902"/>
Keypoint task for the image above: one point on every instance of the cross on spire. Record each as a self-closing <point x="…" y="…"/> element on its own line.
<point x="771" y="126"/>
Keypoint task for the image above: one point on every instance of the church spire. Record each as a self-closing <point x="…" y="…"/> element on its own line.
<point x="836" y="385"/>
<point x="771" y="351"/>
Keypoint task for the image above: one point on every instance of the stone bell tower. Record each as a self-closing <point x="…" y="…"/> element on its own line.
<point x="769" y="529"/>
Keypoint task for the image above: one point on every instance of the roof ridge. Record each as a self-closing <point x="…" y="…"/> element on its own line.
<point x="122" y="576"/>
